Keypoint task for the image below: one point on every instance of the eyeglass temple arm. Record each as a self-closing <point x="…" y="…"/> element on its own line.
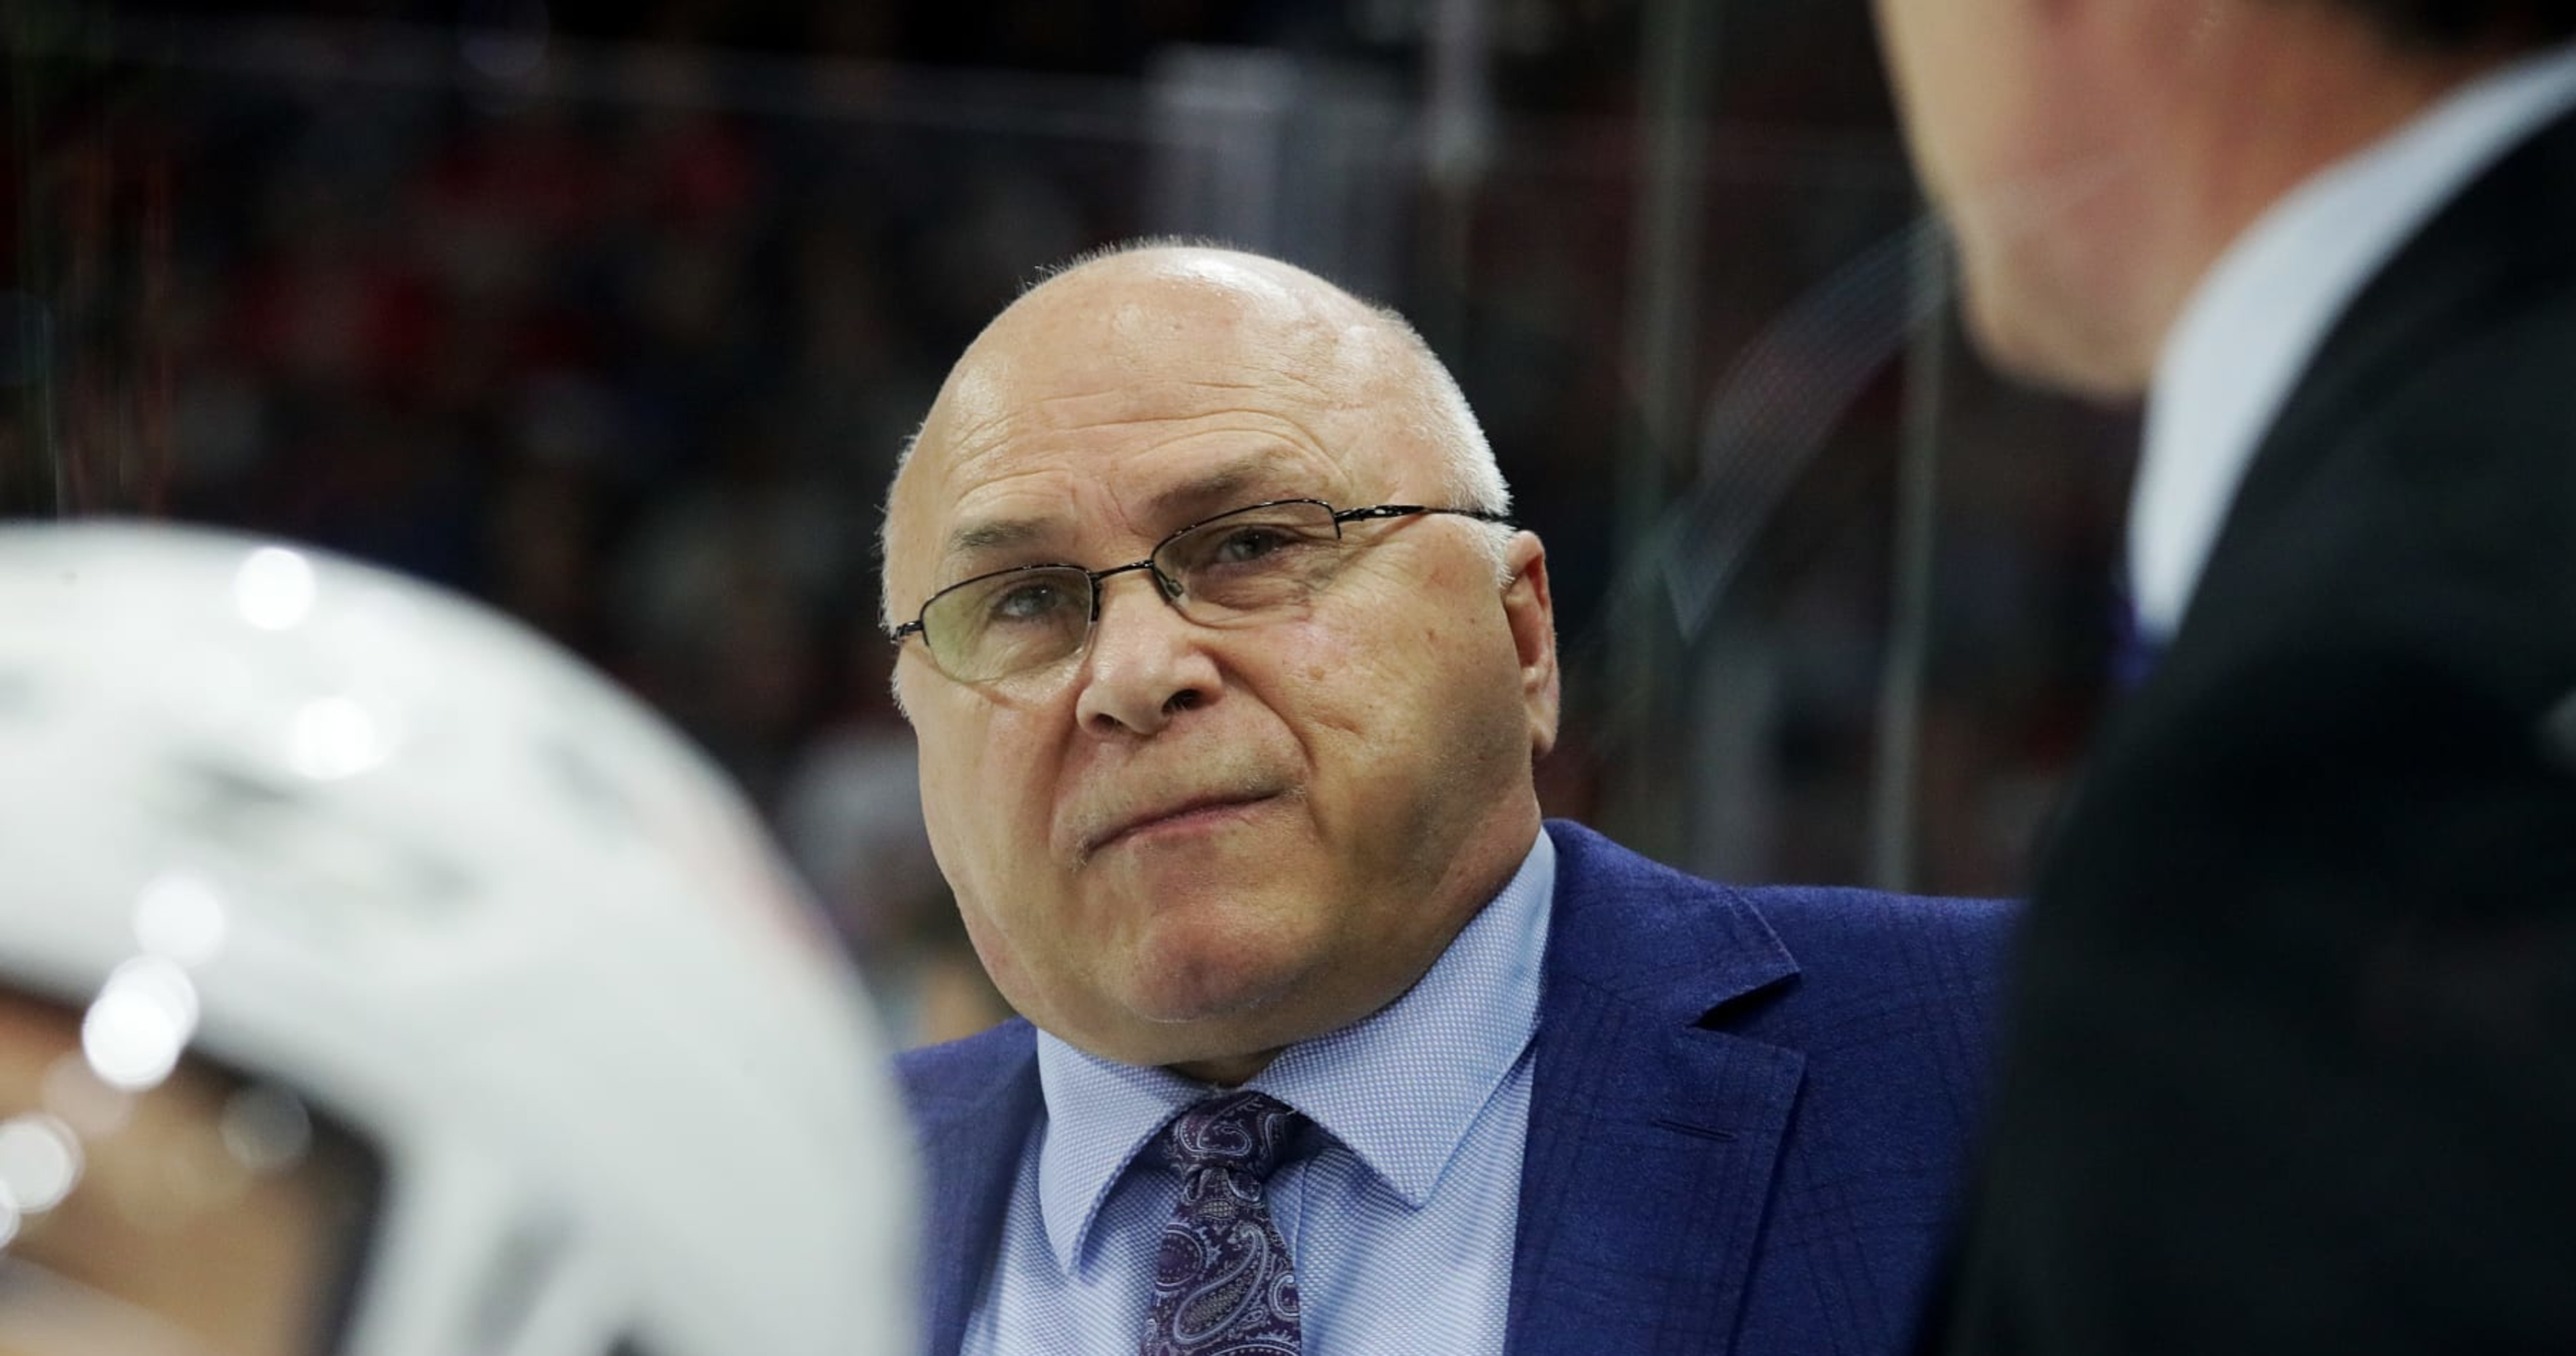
<point x="1406" y="510"/>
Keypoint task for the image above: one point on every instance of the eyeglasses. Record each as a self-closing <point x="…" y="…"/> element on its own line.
<point x="1256" y="564"/>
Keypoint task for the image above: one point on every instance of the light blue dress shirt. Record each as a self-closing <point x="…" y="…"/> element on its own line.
<point x="1399" y="1206"/>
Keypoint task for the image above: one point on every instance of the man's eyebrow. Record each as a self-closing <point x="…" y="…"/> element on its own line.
<point x="997" y="534"/>
<point x="1233" y="486"/>
<point x="1228" y="487"/>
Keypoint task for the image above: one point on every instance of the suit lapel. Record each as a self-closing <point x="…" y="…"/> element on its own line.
<point x="1652" y="1139"/>
<point x="971" y="1150"/>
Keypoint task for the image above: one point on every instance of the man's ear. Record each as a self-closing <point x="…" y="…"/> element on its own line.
<point x="1532" y="614"/>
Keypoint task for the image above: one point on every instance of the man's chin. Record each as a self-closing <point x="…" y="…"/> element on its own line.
<point x="1214" y="994"/>
<point x="2029" y="335"/>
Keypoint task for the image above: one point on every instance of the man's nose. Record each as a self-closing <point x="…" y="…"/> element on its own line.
<point x="1146" y="662"/>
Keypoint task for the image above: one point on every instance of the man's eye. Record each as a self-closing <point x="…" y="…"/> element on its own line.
<point x="1029" y="600"/>
<point x="1242" y="545"/>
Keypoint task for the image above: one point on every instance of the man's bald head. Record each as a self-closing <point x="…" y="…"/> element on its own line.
<point x="1127" y="312"/>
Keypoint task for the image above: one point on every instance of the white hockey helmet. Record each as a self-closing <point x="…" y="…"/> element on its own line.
<point x="353" y="840"/>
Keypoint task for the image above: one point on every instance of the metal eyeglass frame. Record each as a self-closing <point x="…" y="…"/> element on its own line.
<point x="1167" y="587"/>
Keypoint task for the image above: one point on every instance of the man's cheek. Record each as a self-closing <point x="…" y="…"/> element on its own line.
<point x="993" y="947"/>
<point x="1323" y="669"/>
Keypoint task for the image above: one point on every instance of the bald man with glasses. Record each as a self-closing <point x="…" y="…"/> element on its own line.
<point x="1329" y="1044"/>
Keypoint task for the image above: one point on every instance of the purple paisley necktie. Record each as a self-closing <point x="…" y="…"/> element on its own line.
<point x="1223" y="1285"/>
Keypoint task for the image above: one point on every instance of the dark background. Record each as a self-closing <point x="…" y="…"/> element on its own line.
<point x="616" y="316"/>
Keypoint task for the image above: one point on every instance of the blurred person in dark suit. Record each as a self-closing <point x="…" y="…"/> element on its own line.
<point x="2289" y="1065"/>
<point x="1229" y="675"/>
<point x="376" y="980"/>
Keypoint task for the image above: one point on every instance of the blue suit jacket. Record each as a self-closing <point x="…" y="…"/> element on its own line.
<point x="1747" y="1116"/>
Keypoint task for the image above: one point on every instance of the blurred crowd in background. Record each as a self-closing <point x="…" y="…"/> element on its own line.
<point x="617" y="317"/>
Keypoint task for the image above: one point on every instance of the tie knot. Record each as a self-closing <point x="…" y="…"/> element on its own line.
<point x="1239" y="1132"/>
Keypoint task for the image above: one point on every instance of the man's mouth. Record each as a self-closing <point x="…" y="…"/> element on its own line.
<point x="1173" y="816"/>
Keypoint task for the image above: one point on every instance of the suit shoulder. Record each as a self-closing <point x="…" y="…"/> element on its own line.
<point x="1894" y="1005"/>
<point x="1840" y="920"/>
<point x="1873" y="917"/>
<point x="1853" y="940"/>
<point x="1839" y="940"/>
<point x="966" y="1069"/>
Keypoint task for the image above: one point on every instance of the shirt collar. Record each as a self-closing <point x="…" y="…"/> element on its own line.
<point x="1399" y="1088"/>
<point x="2260" y="314"/>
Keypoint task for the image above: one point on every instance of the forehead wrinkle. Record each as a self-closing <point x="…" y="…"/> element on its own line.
<point x="967" y="465"/>
<point x="1173" y="399"/>
<point x="1000" y="426"/>
<point x="1222" y="490"/>
<point x="1229" y="484"/>
<point x="1327" y="356"/>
